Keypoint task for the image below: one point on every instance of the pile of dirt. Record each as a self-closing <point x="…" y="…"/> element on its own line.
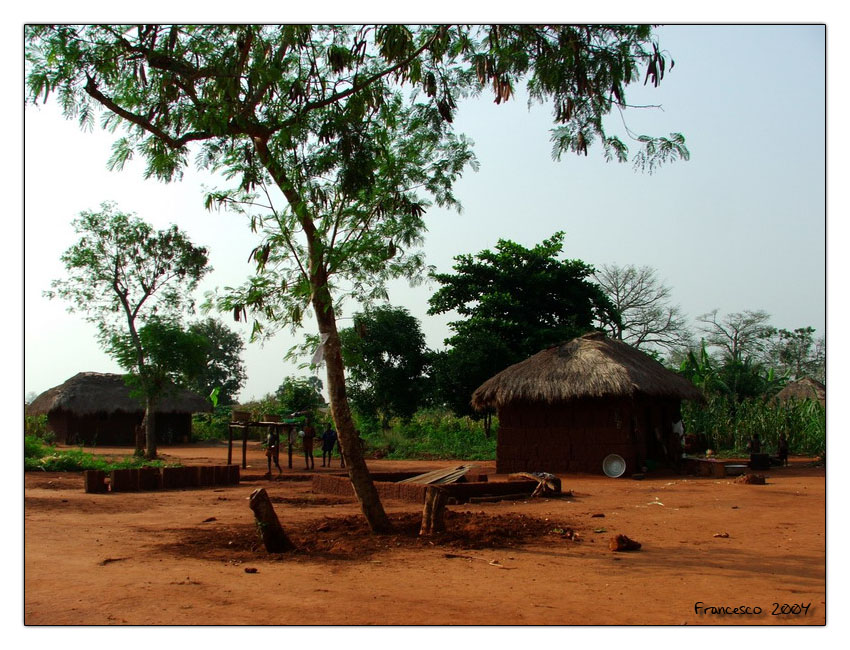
<point x="349" y="537"/>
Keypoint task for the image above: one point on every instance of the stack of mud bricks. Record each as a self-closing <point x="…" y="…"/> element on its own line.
<point x="166" y="478"/>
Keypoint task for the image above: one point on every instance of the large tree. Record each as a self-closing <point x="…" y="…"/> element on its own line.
<point x="224" y="368"/>
<point x="387" y="362"/>
<point x="350" y="124"/>
<point x="120" y="274"/>
<point x="171" y="357"/>
<point x="737" y="336"/>
<point x="514" y="301"/>
<point x="648" y="319"/>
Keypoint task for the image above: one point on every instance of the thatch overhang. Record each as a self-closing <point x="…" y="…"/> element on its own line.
<point x="803" y="389"/>
<point x="87" y="393"/>
<point x="591" y="366"/>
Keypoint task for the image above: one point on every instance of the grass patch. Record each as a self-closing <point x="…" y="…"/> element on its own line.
<point x="40" y="456"/>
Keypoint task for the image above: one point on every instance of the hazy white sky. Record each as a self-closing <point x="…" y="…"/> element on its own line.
<point x="740" y="226"/>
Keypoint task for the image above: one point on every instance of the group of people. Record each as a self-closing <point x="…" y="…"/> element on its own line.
<point x="754" y="447"/>
<point x="307" y="436"/>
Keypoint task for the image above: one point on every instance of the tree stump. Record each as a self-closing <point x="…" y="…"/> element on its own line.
<point x="274" y="539"/>
<point x="434" y="512"/>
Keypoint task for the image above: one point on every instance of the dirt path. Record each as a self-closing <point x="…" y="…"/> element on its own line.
<point x="180" y="557"/>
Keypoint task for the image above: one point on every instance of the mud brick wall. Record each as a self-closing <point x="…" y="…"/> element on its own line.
<point x="340" y="484"/>
<point x="165" y="478"/>
<point x="415" y="492"/>
<point x="576" y="436"/>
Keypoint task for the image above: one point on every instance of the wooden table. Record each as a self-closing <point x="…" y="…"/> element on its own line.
<point x="245" y="426"/>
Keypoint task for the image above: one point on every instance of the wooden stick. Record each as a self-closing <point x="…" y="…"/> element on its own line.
<point x="433" y="513"/>
<point x="274" y="539"/>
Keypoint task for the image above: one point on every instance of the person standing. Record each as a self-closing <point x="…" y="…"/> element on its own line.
<point x="273" y="450"/>
<point x="309" y="435"/>
<point x="783" y="449"/>
<point x="328" y="442"/>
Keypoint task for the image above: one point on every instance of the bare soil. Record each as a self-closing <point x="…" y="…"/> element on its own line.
<point x="193" y="557"/>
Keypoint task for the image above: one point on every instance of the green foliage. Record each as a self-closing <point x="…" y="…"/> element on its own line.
<point x="122" y="270"/>
<point x="224" y="369"/>
<point x="298" y="395"/>
<point x="387" y="361"/>
<point x="36" y="426"/>
<point x="120" y="273"/>
<point x="515" y="301"/>
<point x="729" y="427"/>
<point x="39" y="456"/>
<point x="798" y="354"/>
<point x="352" y="123"/>
<point x="161" y="357"/>
<point x="211" y="426"/>
<point x="428" y="434"/>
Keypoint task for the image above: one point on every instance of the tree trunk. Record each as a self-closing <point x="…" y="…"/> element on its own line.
<point x="150" y="429"/>
<point x="274" y="539"/>
<point x="140" y="436"/>
<point x="352" y="452"/>
<point x="350" y="446"/>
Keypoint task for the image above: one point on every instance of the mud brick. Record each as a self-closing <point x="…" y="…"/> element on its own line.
<point x="95" y="481"/>
<point x="220" y="474"/>
<point x="206" y="475"/>
<point x="124" y="480"/>
<point x="233" y="474"/>
<point x="173" y="478"/>
<point x="192" y="476"/>
<point x="150" y="478"/>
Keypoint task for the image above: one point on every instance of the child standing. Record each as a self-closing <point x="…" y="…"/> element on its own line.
<point x="328" y="442"/>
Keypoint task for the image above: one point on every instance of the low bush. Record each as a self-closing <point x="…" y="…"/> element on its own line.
<point x="429" y="434"/>
<point x="39" y="456"/>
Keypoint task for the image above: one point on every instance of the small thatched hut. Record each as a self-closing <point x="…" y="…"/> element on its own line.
<point x="803" y="389"/>
<point x="566" y="408"/>
<point x="96" y="408"/>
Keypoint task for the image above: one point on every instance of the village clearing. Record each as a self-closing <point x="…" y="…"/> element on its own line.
<point x="193" y="557"/>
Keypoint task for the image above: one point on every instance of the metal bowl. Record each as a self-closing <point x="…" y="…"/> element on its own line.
<point x="614" y="465"/>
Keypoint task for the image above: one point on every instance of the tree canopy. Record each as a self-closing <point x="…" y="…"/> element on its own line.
<point x="350" y="124"/>
<point x="122" y="274"/>
<point x="387" y="360"/>
<point x="514" y="301"/>
<point x="224" y="368"/>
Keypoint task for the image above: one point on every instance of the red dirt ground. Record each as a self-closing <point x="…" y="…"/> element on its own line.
<point x="191" y="557"/>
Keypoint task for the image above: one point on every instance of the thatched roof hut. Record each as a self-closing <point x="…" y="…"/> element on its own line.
<point x="803" y="389"/>
<point x="97" y="407"/>
<point x="569" y="406"/>
<point x="589" y="366"/>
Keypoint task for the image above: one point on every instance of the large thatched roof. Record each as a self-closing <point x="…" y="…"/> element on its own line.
<point x="96" y="392"/>
<point x="589" y="366"/>
<point x="805" y="388"/>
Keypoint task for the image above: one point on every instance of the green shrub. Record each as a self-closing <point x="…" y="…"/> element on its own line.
<point x="36" y="426"/>
<point x="39" y="456"/>
<point x="429" y="434"/>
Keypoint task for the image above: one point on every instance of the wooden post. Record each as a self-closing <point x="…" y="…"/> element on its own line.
<point x="245" y="447"/>
<point x="274" y="539"/>
<point x="229" y="444"/>
<point x="433" y="514"/>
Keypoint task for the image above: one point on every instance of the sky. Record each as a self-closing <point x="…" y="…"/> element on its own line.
<point x="740" y="226"/>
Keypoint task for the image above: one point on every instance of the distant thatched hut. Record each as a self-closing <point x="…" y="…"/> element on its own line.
<point x="566" y="408"/>
<point x="96" y="408"/>
<point x="803" y="389"/>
